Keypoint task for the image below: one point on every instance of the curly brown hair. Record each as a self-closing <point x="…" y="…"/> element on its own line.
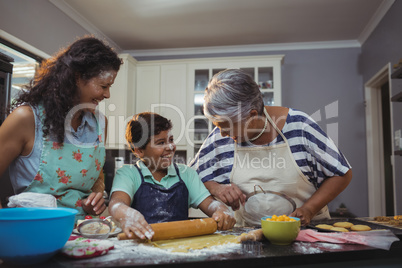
<point x="54" y="85"/>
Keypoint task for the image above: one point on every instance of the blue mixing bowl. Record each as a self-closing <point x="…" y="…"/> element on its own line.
<point x="34" y="235"/>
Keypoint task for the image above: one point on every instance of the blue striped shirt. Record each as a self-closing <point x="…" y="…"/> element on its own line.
<point x="314" y="152"/>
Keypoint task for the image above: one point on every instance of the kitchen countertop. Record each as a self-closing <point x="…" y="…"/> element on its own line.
<point x="130" y="254"/>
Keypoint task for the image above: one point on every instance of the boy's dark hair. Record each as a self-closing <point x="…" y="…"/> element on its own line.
<point x="143" y="126"/>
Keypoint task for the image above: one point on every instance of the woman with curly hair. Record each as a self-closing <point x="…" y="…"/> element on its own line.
<point x="52" y="142"/>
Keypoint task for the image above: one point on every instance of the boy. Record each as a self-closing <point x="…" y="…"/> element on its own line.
<point x="155" y="189"/>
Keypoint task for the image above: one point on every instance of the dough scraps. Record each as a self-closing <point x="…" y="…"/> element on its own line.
<point x="196" y="242"/>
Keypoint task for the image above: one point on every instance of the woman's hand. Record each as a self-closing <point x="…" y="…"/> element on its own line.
<point x="99" y="185"/>
<point x="94" y="204"/>
<point x="229" y="194"/>
<point x="329" y="189"/>
<point x="134" y="222"/>
<point x="304" y="214"/>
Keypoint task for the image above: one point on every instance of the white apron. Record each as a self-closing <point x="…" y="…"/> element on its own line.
<point x="274" y="169"/>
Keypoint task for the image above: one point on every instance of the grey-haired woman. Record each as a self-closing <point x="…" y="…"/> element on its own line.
<point x="277" y="148"/>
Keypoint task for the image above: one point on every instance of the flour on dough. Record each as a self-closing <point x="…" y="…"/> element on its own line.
<point x="194" y="243"/>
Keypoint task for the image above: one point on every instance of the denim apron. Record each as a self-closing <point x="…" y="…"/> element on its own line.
<point x="69" y="171"/>
<point x="158" y="204"/>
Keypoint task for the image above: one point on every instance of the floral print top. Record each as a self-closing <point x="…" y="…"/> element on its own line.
<point x="68" y="171"/>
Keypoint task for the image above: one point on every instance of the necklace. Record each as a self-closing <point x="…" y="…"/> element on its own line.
<point x="262" y="131"/>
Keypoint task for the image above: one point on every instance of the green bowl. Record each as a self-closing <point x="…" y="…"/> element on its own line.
<point x="280" y="232"/>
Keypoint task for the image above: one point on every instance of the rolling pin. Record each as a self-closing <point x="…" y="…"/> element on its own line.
<point x="255" y="235"/>
<point x="178" y="229"/>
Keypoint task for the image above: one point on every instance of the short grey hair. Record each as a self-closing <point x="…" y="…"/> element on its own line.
<point x="232" y="94"/>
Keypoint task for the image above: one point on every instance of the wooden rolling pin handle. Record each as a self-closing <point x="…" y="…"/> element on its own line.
<point x="123" y="236"/>
<point x="178" y="229"/>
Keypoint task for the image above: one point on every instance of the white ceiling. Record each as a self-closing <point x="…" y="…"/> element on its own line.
<point x="150" y="25"/>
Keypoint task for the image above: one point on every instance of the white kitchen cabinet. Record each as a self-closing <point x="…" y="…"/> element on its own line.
<point x="120" y="105"/>
<point x="173" y="100"/>
<point x="148" y="88"/>
<point x="266" y="71"/>
<point x="161" y="88"/>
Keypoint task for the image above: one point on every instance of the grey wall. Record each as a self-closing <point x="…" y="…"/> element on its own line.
<point x="39" y="23"/>
<point x="383" y="46"/>
<point x="314" y="79"/>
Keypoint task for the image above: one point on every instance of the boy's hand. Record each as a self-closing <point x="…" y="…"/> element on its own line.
<point x="224" y="219"/>
<point x="94" y="204"/>
<point x="134" y="222"/>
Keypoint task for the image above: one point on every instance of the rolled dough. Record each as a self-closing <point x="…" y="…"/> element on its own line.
<point x="194" y="243"/>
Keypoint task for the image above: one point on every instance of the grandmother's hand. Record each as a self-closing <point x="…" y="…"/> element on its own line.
<point x="94" y="204"/>
<point x="304" y="214"/>
<point x="229" y="194"/>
